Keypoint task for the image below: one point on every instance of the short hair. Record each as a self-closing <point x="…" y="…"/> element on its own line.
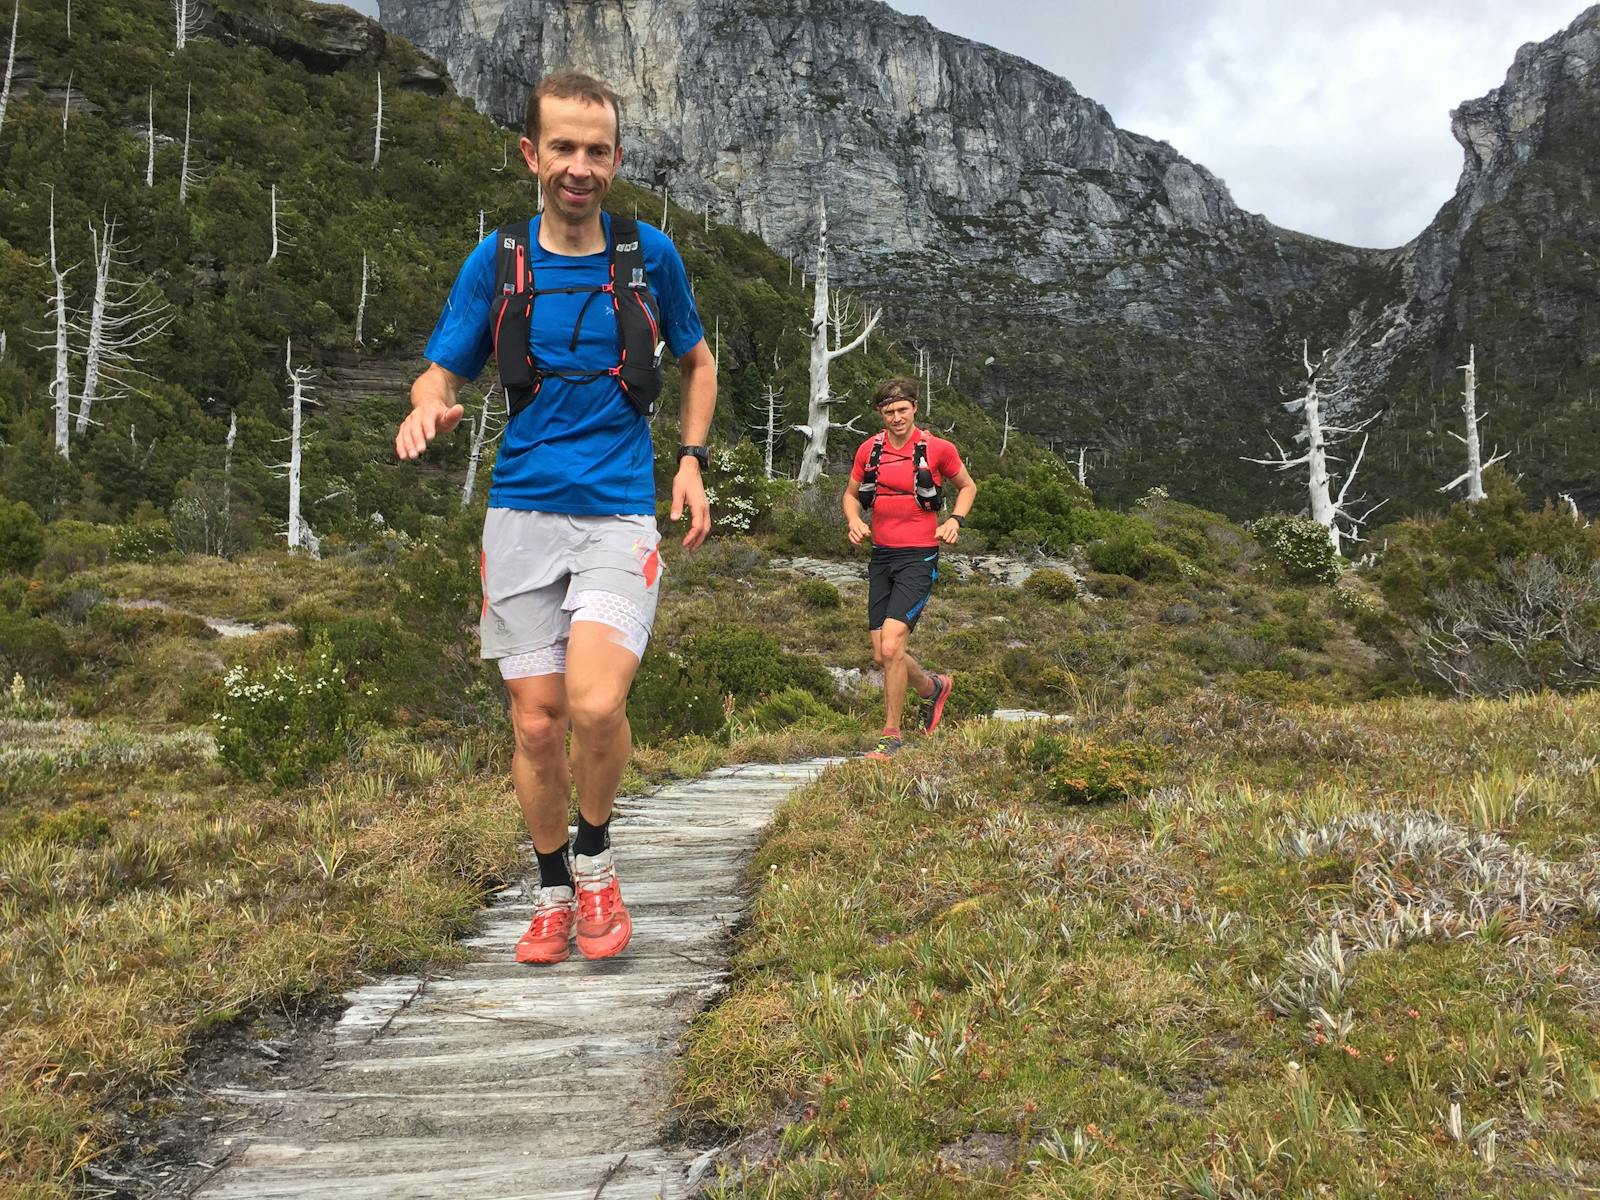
<point x="897" y="388"/>
<point x="570" y="85"/>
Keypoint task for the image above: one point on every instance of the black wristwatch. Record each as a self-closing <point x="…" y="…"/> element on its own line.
<point x="959" y="520"/>
<point x="698" y="453"/>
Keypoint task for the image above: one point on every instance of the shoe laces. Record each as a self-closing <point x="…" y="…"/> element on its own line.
<point x="887" y="743"/>
<point x="597" y="900"/>
<point x="549" y="912"/>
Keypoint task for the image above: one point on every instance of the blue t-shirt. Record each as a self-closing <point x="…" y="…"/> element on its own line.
<point x="579" y="447"/>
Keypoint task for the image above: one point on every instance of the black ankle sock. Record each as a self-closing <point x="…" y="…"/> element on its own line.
<point x="591" y="839"/>
<point x="554" y="870"/>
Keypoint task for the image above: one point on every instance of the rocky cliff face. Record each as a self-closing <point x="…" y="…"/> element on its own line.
<point x="1126" y="302"/>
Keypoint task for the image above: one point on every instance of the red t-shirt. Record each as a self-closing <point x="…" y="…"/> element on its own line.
<point x="896" y="519"/>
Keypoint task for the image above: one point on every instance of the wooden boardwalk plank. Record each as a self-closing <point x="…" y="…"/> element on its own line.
<point x="493" y="1081"/>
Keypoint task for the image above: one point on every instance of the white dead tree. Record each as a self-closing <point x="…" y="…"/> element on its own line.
<point x="1006" y="428"/>
<point x="123" y="317"/>
<point x="1567" y="502"/>
<point x="838" y="318"/>
<point x="274" y="253"/>
<point x="150" y="141"/>
<point x="361" y="304"/>
<point x="11" y="61"/>
<point x="66" y="106"/>
<point x="491" y="423"/>
<point x="1326" y="510"/>
<point x="771" y="408"/>
<point x="1473" y="475"/>
<point x="187" y="20"/>
<point x="1083" y="466"/>
<point x="663" y="208"/>
<point x="300" y="536"/>
<point x="187" y="176"/>
<point x="377" y="126"/>
<point x="61" y="386"/>
<point x="227" y="463"/>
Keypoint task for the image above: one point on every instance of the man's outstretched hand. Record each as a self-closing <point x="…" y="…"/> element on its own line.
<point x="424" y="423"/>
<point x="689" y="490"/>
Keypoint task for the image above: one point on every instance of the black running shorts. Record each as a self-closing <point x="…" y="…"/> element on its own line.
<point x="899" y="582"/>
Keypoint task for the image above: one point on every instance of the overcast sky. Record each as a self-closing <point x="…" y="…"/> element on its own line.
<point x="1327" y="116"/>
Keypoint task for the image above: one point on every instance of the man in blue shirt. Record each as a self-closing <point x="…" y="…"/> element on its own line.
<point x="570" y="566"/>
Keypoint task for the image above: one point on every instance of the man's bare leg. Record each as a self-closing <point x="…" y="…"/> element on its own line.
<point x="899" y="669"/>
<point x="599" y="674"/>
<point x="539" y="765"/>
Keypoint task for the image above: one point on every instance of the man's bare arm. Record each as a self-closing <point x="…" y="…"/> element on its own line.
<point x="697" y="372"/>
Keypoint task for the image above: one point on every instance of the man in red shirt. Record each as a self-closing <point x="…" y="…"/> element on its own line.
<point x="898" y="476"/>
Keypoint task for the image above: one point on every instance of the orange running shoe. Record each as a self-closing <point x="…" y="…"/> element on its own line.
<point x="933" y="706"/>
<point x="604" y="926"/>
<point x="550" y="932"/>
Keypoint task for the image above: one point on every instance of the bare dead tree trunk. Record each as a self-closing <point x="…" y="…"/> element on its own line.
<point x="123" y="317"/>
<point x="227" y="465"/>
<point x="772" y="412"/>
<point x="66" y="106"/>
<point x="822" y="353"/>
<point x="62" y="385"/>
<point x="274" y="253"/>
<point x="481" y="437"/>
<point x="377" y="126"/>
<point x="186" y="19"/>
<point x="663" y="208"/>
<point x="300" y="536"/>
<point x="150" y="141"/>
<point x="1325" y="509"/>
<point x="361" y="304"/>
<point x="1473" y="475"/>
<point x="11" y="61"/>
<point x="186" y="178"/>
<point x="1083" y="466"/>
<point x="97" y="315"/>
<point x="1005" y="429"/>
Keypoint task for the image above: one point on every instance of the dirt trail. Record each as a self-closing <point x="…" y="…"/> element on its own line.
<point x="492" y="1080"/>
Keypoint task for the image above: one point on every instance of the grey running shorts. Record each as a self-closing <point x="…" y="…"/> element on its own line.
<point x="542" y="571"/>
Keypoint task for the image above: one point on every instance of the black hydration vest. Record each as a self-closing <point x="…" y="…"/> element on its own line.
<point x="639" y="344"/>
<point x="927" y="491"/>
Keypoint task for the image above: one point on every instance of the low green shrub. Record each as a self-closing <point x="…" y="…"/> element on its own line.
<point x="71" y="546"/>
<point x="674" y="696"/>
<point x="142" y="540"/>
<point x="1300" y="546"/>
<point x="32" y="647"/>
<point x="819" y="593"/>
<point x="792" y="708"/>
<point x="1066" y="769"/>
<point x="21" y="537"/>
<point x="1119" y="555"/>
<point x="1055" y="586"/>
<point x="976" y="695"/>
<point x="1276" y="687"/>
<point x="1113" y="585"/>
<point x="748" y="663"/>
<point x="287" y="723"/>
